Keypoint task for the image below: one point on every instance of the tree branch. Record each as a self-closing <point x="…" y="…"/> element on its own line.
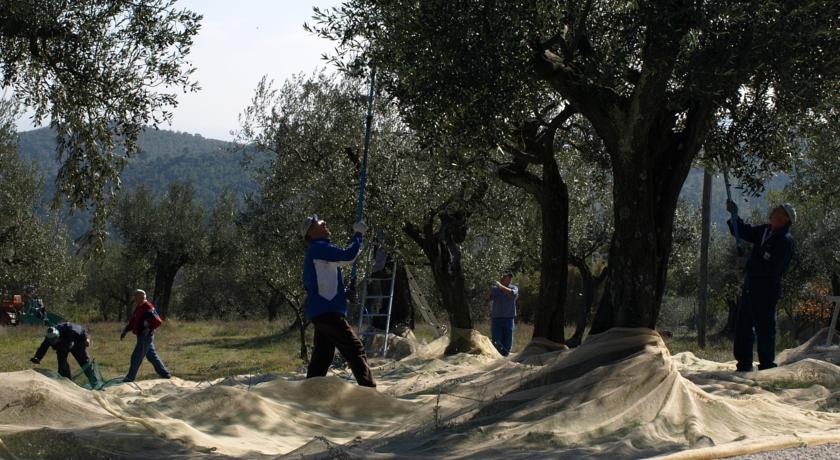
<point x="521" y="179"/>
<point x="597" y="103"/>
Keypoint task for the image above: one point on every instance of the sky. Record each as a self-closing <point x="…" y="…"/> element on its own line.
<point x="239" y="43"/>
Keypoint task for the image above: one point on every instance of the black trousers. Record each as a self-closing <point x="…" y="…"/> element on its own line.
<point x="333" y="331"/>
<point x="79" y="351"/>
<point x="756" y="322"/>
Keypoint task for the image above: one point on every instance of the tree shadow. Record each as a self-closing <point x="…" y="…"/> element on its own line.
<point x="240" y="343"/>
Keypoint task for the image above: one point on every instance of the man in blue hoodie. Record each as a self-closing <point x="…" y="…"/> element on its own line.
<point x="326" y="305"/>
<point x="770" y="258"/>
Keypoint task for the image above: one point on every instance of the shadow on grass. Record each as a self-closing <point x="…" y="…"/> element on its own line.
<point x="249" y="343"/>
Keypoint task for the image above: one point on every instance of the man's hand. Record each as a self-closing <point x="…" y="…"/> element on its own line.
<point x="122" y="336"/>
<point x="731" y="206"/>
<point x="360" y="227"/>
<point x="488" y="295"/>
<point x="35" y="360"/>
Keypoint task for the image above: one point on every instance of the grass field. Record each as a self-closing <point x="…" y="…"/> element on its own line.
<point x="212" y="349"/>
<point x="191" y="350"/>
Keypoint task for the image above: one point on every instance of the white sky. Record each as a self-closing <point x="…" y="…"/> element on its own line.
<point x="240" y="42"/>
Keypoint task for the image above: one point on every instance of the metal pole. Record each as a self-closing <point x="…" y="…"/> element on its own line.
<point x="360" y="209"/>
<point x="703" y="293"/>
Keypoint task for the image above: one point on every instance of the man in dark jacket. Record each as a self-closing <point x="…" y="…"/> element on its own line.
<point x="68" y="338"/>
<point x="326" y="303"/>
<point x="771" y="254"/>
<point x="141" y="325"/>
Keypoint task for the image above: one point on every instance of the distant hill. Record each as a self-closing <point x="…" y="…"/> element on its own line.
<point x="165" y="157"/>
<point x="212" y="167"/>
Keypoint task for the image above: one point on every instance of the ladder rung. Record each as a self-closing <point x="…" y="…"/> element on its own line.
<point x="378" y="297"/>
<point x="379" y="279"/>
<point x="370" y="315"/>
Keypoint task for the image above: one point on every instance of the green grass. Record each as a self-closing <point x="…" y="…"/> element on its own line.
<point x="191" y="350"/>
<point x="202" y="350"/>
<point x="716" y="349"/>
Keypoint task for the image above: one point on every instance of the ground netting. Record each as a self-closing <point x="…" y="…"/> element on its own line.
<point x="621" y="393"/>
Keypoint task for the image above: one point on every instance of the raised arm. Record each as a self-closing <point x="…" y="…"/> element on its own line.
<point x="333" y="253"/>
<point x="508" y="291"/>
<point x="747" y="232"/>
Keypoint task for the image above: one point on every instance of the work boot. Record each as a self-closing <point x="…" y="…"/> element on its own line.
<point x="744" y="368"/>
<point x="762" y="367"/>
<point x="94" y="381"/>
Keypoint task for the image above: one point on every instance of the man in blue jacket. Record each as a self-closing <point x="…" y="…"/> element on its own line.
<point x="65" y="339"/>
<point x="326" y="305"/>
<point x="770" y="258"/>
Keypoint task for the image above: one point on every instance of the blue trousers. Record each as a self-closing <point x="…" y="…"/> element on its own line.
<point x="757" y="320"/>
<point x="145" y="347"/>
<point x="501" y="331"/>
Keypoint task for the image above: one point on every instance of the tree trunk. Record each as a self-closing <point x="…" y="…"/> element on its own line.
<point x="703" y="294"/>
<point x="651" y="137"/>
<point x="604" y="314"/>
<point x="303" y="323"/>
<point x="549" y="319"/>
<point x="728" y="330"/>
<point x="645" y="199"/>
<point x="589" y="286"/>
<point x="449" y="278"/>
<point x="835" y="289"/>
<point x="165" y="273"/>
<point x="403" y="305"/>
<point x="273" y="307"/>
<point x="443" y="250"/>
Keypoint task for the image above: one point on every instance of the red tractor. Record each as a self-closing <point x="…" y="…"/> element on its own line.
<point x="10" y="311"/>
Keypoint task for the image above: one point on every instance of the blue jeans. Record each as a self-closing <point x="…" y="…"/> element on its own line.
<point x="501" y="330"/>
<point x="145" y="347"/>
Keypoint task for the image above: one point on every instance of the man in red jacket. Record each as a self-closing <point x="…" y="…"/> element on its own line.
<point x="141" y="324"/>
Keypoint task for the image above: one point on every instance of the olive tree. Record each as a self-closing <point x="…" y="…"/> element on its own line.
<point x="34" y="247"/>
<point x="98" y="71"/>
<point x="427" y="197"/>
<point x="654" y="81"/>
<point x="167" y="231"/>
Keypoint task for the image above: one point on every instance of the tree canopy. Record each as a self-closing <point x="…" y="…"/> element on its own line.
<point x="654" y="81"/>
<point x="99" y="71"/>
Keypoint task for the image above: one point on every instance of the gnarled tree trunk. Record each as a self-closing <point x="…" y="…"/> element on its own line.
<point x="165" y="271"/>
<point x="550" y="191"/>
<point x="549" y="320"/>
<point x="591" y="284"/>
<point x="442" y="247"/>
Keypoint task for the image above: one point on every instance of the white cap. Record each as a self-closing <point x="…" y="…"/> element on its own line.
<point x="307" y="224"/>
<point x="140" y="291"/>
<point x="788" y="209"/>
<point x="52" y="333"/>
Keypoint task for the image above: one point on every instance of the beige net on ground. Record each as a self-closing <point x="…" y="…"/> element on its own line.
<point x="619" y="394"/>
